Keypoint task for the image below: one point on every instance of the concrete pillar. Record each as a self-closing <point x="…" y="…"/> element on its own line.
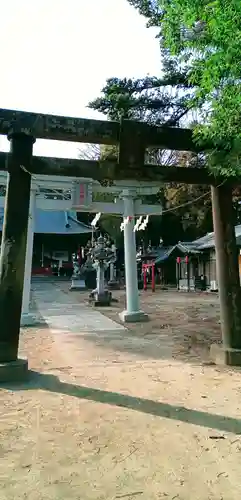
<point x="132" y="313"/>
<point x="27" y="318"/>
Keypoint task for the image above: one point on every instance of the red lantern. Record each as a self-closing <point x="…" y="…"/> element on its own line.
<point x="186" y="259"/>
<point x="178" y="260"/>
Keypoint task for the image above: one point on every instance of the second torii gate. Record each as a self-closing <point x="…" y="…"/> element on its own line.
<point x="127" y="204"/>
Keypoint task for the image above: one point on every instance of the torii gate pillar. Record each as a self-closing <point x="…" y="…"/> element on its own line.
<point x="13" y="250"/>
<point x="228" y="278"/>
<point x="132" y="313"/>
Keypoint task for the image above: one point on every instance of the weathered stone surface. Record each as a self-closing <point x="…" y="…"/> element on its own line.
<point x="14" y="243"/>
<point x="63" y="312"/>
<point x="135" y="317"/>
<point x="227" y="266"/>
<point x="221" y="355"/>
<point x="60" y="128"/>
<point x="113" y="285"/>
<point x="77" y="284"/>
<point x="29" y="319"/>
<point x="96" y="131"/>
<point x="15" y="371"/>
<point x="108" y="170"/>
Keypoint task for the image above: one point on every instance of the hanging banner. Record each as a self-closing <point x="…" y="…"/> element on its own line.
<point x="82" y="194"/>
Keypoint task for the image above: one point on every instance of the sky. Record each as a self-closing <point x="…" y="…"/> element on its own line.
<point x="56" y="56"/>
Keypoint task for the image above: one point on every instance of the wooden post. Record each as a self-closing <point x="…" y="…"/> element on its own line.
<point x="178" y="273"/>
<point x="13" y="248"/>
<point x="153" y="283"/>
<point x="228" y="277"/>
<point x="144" y="278"/>
<point x="187" y="261"/>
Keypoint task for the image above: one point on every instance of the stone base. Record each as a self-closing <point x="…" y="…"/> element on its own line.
<point x="133" y="317"/>
<point x="100" y="300"/>
<point x="221" y="355"/>
<point x="28" y="319"/>
<point x="102" y="303"/>
<point x="15" y="371"/>
<point x="77" y="285"/>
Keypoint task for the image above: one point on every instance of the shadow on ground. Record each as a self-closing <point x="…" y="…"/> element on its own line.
<point x="166" y="344"/>
<point x="201" y="418"/>
<point x="180" y="326"/>
<point x="38" y="322"/>
<point x="152" y="347"/>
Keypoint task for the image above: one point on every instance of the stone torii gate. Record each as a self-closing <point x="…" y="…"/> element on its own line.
<point x="127" y="204"/>
<point x="22" y="129"/>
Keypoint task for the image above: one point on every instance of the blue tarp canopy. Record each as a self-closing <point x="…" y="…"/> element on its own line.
<point x="55" y="222"/>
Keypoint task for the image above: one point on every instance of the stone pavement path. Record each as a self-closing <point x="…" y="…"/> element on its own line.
<point x="63" y="311"/>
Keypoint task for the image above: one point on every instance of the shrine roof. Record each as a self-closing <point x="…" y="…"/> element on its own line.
<point x="55" y="222"/>
<point x="193" y="247"/>
<point x="164" y="252"/>
<point x="207" y="241"/>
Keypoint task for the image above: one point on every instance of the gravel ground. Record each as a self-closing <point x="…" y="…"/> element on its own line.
<point x="136" y="415"/>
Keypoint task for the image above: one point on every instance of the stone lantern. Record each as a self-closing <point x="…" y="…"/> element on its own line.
<point x="101" y="257"/>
